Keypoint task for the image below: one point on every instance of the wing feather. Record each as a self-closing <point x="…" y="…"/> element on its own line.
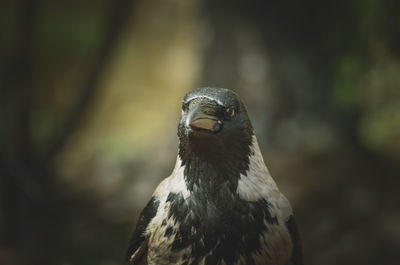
<point x="297" y="256"/>
<point x="138" y="243"/>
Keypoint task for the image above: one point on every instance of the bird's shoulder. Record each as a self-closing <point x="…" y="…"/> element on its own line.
<point x="284" y="209"/>
<point x="139" y="242"/>
<point x="175" y="183"/>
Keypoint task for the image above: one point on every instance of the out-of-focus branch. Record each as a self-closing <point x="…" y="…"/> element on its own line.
<point x="118" y="14"/>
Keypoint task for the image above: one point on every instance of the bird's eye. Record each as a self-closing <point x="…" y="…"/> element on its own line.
<point x="230" y="112"/>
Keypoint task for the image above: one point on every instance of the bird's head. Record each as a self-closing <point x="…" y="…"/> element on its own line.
<point x="214" y="127"/>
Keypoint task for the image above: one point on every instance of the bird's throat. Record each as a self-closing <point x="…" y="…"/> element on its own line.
<point x="212" y="165"/>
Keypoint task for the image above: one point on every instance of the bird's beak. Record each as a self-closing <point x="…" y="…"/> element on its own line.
<point x="198" y="120"/>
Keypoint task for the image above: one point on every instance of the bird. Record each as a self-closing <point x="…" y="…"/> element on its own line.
<point x="220" y="205"/>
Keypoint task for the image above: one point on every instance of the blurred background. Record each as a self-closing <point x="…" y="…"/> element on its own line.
<point x="90" y="96"/>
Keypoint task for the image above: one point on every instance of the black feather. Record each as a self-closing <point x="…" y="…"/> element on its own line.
<point x="138" y="237"/>
<point x="224" y="226"/>
<point x="297" y="256"/>
<point x="224" y="96"/>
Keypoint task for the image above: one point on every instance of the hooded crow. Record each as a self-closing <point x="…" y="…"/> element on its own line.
<point x="220" y="205"/>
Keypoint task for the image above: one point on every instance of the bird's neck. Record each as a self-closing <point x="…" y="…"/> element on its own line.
<point x="211" y="166"/>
